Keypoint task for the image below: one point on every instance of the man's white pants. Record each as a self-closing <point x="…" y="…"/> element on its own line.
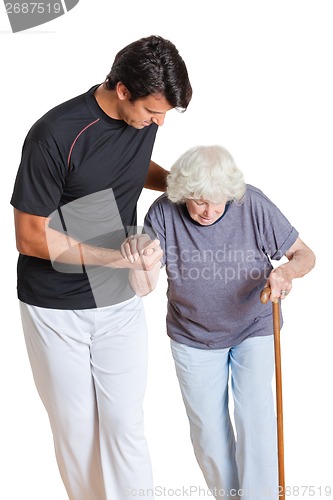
<point x="246" y="467"/>
<point x="90" y="369"/>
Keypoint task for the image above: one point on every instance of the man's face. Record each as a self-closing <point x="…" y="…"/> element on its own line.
<point x="145" y="111"/>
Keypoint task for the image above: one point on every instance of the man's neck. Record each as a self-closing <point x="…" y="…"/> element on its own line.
<point x="107" y="101"/>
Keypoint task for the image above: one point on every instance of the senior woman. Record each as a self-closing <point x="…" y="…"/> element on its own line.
<point x="219" y="236"/>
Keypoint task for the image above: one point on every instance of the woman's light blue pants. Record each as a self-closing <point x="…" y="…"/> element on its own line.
<point x="245" y="466"/>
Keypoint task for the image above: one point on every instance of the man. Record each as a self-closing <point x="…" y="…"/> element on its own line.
<point x="84" y="165"/>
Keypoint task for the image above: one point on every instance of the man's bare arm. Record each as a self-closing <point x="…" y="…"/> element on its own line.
<point x="35" y="238"/>
<point x="156" y="178"/>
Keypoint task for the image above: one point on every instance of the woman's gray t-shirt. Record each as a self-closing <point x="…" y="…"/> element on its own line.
<point x="216" y="273"/>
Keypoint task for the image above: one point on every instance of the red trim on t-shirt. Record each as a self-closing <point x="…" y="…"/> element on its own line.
<point x="76" y="138"/>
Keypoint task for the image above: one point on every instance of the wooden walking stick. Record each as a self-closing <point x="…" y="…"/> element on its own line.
<point x="264" y="297"/>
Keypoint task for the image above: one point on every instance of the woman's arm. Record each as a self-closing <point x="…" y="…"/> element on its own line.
<point x="134" y="248"/>
<point x="144" y="282"/>
<point x="301" y="260"/>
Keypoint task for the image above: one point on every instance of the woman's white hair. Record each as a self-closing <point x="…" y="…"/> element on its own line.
<point x="205" y="172"/>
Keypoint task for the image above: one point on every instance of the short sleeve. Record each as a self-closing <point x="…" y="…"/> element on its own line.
<point x="277" y="234"/>
<point x="40" y="180"/>
<point x="154" y="225"/>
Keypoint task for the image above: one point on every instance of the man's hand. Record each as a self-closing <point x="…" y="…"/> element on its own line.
<point x="142" y="252"/>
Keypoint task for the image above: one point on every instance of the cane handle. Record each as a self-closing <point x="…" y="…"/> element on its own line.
<point x="264" y="296"/>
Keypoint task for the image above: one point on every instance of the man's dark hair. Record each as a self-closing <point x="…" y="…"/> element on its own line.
<point x="150" y="66"/>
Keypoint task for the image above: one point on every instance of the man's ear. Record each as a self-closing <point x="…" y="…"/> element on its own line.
<point x="122" y="92"/>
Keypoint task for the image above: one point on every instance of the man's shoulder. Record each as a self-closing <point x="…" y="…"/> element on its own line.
<point x="61" y="117"/>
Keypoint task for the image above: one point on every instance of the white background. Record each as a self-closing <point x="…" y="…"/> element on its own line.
<point x="263" y="85"/>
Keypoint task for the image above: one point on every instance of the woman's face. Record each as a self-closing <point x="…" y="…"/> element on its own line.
<point x="204" y="212"/>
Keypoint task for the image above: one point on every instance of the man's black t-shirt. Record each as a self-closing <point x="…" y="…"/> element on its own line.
<point x="85" y="170"/>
